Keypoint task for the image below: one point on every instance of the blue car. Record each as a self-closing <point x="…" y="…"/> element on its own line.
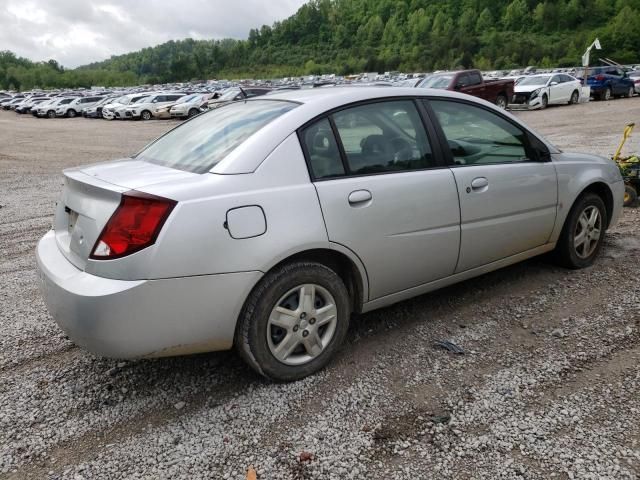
<point x="607" y="82"/>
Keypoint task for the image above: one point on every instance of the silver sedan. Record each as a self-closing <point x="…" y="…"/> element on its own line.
<point x="266" y="223"/>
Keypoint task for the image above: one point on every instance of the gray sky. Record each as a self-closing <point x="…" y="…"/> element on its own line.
<point x="76" y="32"/>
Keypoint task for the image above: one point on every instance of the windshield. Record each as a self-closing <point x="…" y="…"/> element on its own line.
<point x="437" y="81"/>
<point x="197" y="145"/>
<point x="229" y="95"/>
<point x="188" y="98"/>
<point x="141" y="99"/>
<point x="534" y="80"/>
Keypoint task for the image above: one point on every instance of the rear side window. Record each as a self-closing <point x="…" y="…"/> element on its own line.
<point x="383" y="137"/>
<point x="322" y="150"/>
<point x="477" y="136"/>
<point x="199" y="144"/>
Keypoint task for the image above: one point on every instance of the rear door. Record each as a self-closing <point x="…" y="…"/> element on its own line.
<point x="508" y="193"/>
<point x="385" y="193"/>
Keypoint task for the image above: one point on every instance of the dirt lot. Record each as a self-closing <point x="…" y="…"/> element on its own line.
<point x="549" y="388"/>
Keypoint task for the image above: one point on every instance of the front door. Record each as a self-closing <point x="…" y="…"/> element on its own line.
<point x="508" y="199"/>
<point x="383" y="195"/>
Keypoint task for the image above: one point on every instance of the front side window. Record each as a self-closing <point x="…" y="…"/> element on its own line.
<point x="383" y="137"/>
<point x="477" y="136"/>
<point x="199" y="144"/>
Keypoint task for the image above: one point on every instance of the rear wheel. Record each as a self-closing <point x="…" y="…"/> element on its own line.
<point x="575" y="96"/>
<point x="583" y="232"/>
<point x="630" y="196"/>
<point x="607" y="94"/>
<point x="630" y="92"/>
<point x="145" y="115"/>
<point x="501" y="102"/>
<point x="294" y="321"/>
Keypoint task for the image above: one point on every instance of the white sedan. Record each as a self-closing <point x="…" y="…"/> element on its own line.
<point x="538" y="91"/>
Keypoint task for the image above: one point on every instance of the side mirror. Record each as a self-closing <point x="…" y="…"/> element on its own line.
<point x="457" y="86"/>
<point x="553" y="84"/>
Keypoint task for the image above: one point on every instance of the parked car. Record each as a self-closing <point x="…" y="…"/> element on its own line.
<point x="6" y="105"/>
<point x="538" y="91"/>
<point x="234" y="94"/>
<point x="189" y="105"/>
<point x="635" y="76"/>
<point x="119" y="110"/>
<point x="49" y="109"/>
<point x="195" y="243"/>
<point x="471" y="82"/>
<point x="144" y="109"/>
<point x="74" y="108"/>
<point x="95" y="110"/>
<point x="608" y="82"/>
<point x="27" y="105"/>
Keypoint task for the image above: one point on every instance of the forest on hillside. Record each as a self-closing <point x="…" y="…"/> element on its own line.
<point x="350" y="36"/>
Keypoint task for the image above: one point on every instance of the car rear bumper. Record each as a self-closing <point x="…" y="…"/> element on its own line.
<point x="141" y="318"/>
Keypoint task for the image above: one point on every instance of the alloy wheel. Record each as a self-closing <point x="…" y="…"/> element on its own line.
<point x="302" y="324"/>
<point x="587" y="232"/>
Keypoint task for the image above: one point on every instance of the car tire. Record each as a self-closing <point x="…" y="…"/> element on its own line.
<point x="51" y="114"/>
<point x="146" y="115"/>
<point x="193" y="112"/>
<point x="631" y="92"/>
<point x="544" y="102"/>
<point x="572" y="252"/>
<point x="280" y="352"/>
<point x="630" y="196"/>
<point x="71" y="113"/>
<point x="575" y="97"/>
<point x="606" y="96"/>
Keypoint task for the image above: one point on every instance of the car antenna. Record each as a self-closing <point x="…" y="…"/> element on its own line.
<point x="244" y="94"/>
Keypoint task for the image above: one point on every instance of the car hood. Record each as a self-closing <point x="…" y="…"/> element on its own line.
<point x="527" y="88"/>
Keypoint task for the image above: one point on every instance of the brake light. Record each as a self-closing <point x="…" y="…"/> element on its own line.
<point x="134" y="225"/>
<point x="600" y="78"/>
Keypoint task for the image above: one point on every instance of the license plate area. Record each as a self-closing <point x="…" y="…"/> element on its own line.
<point x="72" y="219"/>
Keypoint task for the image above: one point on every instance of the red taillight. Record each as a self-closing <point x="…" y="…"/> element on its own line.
<point x="600" y="78"/>
<point x="134" y="225"/>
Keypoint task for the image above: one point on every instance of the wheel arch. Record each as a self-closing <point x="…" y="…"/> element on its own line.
<point x="350" y="270"/>
<point x="603" y="191"/>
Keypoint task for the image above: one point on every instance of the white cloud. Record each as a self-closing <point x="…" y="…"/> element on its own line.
<point x="76" y="32"/>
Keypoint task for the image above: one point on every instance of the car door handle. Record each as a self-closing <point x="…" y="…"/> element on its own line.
<point x="359" y="196"/>
<point x="479" y="183"/>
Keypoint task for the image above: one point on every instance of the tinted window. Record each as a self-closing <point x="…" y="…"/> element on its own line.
<point x="478" y="136"/>
<point x="463" y="80"/>
<point x="383" y="137"/>
<point x="475" y="78"/>
<point x="199" y="144"/>
<point x="322" y="150"/>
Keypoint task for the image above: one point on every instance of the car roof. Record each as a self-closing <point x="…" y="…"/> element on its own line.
<point x="315" y="102"/>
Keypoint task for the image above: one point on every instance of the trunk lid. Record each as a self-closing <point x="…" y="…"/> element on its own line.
<point x="91" y="195"/>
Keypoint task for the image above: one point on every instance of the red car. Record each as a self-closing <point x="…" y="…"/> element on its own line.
<point x="471" y="82"/>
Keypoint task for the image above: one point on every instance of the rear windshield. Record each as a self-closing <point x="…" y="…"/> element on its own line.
<point x="197" y="145"/>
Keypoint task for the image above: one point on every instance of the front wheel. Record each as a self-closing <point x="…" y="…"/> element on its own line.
<point x="294" y="321"/>
<point x="193" y="112"/>
<point x="544" y="102"/>
<point x="607" y="94"/>
<point x="630" y="92"/>
<point x="51" y="114"/>
<point x="146" y="115"/>
<point x="71" y="113"/>
<point x="583" y="232"/>
<point x="575" y="96"/>
<point x="501" y="102"/>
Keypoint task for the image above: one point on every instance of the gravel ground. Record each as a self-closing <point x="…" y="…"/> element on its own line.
<point x="549" y="387"/>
